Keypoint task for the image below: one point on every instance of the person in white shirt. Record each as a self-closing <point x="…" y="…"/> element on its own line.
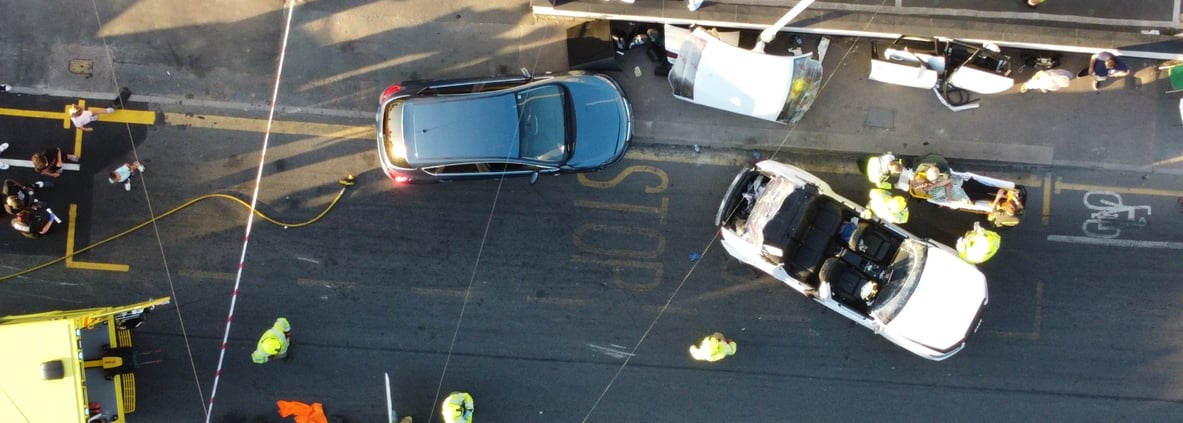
<point x="83" y="117"/>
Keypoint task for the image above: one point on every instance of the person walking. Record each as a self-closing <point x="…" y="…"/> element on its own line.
<point x="457" y="408"/>
<point x="49" y="162"/>
<point x="1105" y="65"/>
<point x="713" y="348"/>
<point x="82" y="117"/>
<point x="123" y="174"/>
<point x="274" y="342"/>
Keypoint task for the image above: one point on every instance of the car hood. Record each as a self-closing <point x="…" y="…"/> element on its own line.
<point x="945" y="305"/>
<point x="713" y="73"/>
<point x="603" y="122"/>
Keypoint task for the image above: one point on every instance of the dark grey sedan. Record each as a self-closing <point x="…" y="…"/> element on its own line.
<point x="431" y="131"/>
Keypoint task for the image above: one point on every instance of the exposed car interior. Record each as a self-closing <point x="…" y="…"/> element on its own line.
<point x="815" y="238"/>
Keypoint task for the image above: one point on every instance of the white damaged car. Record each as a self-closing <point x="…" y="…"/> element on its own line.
<point x="915" y="292"/>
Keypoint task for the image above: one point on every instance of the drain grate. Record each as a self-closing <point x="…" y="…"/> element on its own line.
<point x="878" y="117"/>
<point x="81" y="66"/>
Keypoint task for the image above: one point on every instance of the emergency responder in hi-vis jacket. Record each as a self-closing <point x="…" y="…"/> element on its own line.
<point x="714" y="347"/>
<point x="457" y="408"/>
<point x="274" y="342"/>
<point x="890" y="208"/>
<point x="978" y="245"/>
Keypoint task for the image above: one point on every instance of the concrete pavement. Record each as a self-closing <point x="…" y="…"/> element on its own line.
<point x="1131" y="124"/>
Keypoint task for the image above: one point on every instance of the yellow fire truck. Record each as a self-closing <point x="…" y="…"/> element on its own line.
<point x="70" y="366"/>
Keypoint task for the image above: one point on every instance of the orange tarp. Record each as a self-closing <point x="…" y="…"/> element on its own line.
<point x="304" y="413"/>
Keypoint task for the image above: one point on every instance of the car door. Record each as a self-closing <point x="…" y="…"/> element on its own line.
<point x="908" y="61"/>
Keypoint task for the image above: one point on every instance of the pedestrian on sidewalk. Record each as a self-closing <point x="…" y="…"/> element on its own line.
<point x="122" y="174"/>
<point x="1104" y="65"/>
<point x="81" y="116"/>
<point x="1047" y="80"/>
<point x="713" y="348"/>
<point x="274" y="342"/>
<point x="49" y="162"/>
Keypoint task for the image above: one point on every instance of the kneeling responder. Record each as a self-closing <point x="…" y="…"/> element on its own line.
<point x="890" y="208"/>
<point x="978" y="245"/>
<point x="713" y="348"/>
<point x="274" y="342"/>
<point x="457" y="408"/>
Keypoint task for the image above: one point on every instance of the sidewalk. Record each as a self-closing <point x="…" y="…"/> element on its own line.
<point x="1129" y="125"/>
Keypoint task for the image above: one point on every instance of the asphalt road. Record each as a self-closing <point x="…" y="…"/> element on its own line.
<point x="532" y="297"/>
<point x="573" y="299"/>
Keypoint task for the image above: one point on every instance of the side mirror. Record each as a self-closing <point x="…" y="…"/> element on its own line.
<point x="534" y="178"/>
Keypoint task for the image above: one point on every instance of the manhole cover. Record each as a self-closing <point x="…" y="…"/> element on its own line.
<point x="81" y="66"/>
<point x="878" y="117"/>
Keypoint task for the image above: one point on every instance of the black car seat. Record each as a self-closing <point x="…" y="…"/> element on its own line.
<point x="871" y="242"/>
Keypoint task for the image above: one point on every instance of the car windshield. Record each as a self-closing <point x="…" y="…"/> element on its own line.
<point x="542" y="123"/>
<point x="901" y="278"/>
<point x="807" y="78"/>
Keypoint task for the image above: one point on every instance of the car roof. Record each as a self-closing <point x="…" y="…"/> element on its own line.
<point x="445" y="129"/>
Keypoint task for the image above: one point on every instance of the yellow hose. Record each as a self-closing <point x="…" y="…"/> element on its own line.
<point x="346" y="183"/>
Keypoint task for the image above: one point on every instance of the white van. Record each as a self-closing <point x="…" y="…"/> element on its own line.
<point x="714" y="73"/>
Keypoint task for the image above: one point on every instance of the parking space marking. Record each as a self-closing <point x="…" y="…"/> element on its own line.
<point x="694" y="312"/>
<point x="437" y="292"/>
<point x="129" y="116"/>
<point x="554" y="300"/>
<point x="224" y="276"/>
<point x="75" y="264"/>
<point x="1047" y="198"/>
<point x="230" y="123"/>
<point x="1036" y="322"/>
<point x="1069" y="186"/>
<point x="318" y="283"/>
<point x="29" y="164"/>
<point x="1114" y="242"/>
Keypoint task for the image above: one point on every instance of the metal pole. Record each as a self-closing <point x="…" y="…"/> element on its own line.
<point x="390" y="413"/>
<point x="769" y="33"/>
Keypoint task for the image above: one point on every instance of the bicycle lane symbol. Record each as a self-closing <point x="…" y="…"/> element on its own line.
<point x="1110" y="215"/>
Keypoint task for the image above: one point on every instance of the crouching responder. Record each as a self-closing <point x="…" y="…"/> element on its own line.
<point x="457" y="408"/>
<point x="893" y="209"/>
<point x="713" y="348"/>
<point x="978" y="245"/>
<point x="274" y="342"/>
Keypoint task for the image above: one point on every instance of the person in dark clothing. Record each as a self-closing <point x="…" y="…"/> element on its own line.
<point x="1105" y="65"/>
<point x="18" y="196"/>
<point x="33" y="222"/>
<point x="49" y="162"/>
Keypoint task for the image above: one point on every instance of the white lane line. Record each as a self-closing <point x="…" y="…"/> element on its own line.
<point x="29" y="164"/>
<point x="611" y="352"/>
<point x="1131" y="243"/>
